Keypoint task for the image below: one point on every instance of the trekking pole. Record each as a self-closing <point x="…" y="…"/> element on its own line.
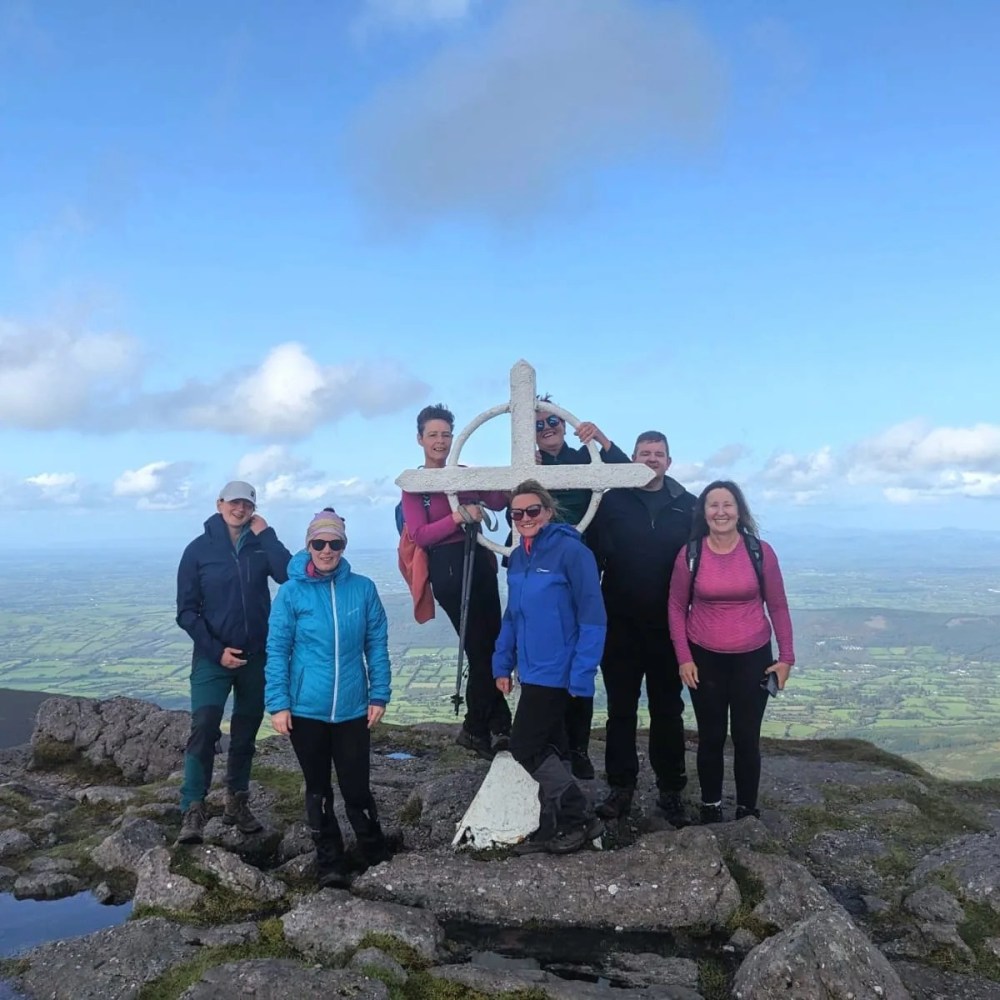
<point x="471" y="530"/>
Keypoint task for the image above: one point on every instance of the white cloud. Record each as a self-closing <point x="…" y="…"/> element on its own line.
<point x="156" y="486"/>
<point x="52" y="377"/>
<point x="508" y="120"/>
<point x="290" y="395"/>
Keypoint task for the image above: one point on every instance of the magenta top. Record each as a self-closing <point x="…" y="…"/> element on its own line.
<point x="434" y="526"/>
<point x="727" y="612"/>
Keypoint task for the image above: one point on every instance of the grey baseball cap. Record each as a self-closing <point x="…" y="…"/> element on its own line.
<point x="238" y="490"/>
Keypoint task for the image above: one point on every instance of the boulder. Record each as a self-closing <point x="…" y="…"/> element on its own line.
<point x="279" y="979"/>
<point x="136" y="738"/>
<point x="973" y="860"/>
<point x="333" y="921"/>
<point x="105" y="795"/>
<point x="822" y="956"/>
<point x="927" y="983"/>
<point x="158" y="886"/>
<point x="124" y="848"/>
<point x="374" y="958"/>
<point x="14" y="842"/>
<point x="236" y="875"/>
<point x="662" y="882"/>
<point x="46" y="885"/>
<point x="935" y="904"/>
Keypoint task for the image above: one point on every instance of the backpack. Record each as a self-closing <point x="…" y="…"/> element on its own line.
<point x="399" y="512"/>
<point x="752" y="542"/>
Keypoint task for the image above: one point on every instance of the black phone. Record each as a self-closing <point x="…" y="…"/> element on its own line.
<point x="769" y="683"/>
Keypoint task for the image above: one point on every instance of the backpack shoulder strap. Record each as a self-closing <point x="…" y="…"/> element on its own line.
<point x="693" y="557"/>
<point x="756" y="551"/>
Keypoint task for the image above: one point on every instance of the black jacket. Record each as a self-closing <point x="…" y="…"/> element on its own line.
<point x="573" y="503"/>
<point x="636" y="546"/>
<point x="223" y="599"/>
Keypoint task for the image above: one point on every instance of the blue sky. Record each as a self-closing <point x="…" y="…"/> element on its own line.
<point x="252" y="240"/>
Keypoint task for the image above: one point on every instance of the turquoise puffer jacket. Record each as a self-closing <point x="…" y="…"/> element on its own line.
<point x="327" y="645"/>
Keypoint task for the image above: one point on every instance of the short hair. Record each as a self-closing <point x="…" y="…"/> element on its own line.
<point x="745" y="521"/>
<point x="652" y="436"/>
<point x="534" y="486"/>
<point x="436" y="411"/>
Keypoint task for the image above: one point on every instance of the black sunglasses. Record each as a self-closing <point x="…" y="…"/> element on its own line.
<point x="516" y="513"/>
<point x="552" y="420"/>
<point x="336" y="544"/>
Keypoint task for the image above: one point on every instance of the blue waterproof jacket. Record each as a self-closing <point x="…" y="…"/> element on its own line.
<point x="328" y="645"/>
<point x="554" y="626"/>
<point x="223" y="596"/>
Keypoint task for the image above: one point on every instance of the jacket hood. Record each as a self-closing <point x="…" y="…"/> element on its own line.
<point x="549" y="535"/>
<point x="297" y="569"/>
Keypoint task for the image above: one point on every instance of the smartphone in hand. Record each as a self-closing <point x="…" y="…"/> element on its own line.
<point x="769" y="683"/>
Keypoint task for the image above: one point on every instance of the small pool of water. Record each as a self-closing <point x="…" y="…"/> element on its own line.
<point x="25" y="923"/>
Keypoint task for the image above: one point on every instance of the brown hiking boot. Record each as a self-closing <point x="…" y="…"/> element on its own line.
<point x="193" y="825"/>
<point x="238" y="813"/>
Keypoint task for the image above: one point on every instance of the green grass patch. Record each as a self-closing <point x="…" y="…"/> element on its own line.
<point x="981" y="922"/>
<point x="64" y="758"/>
<point x="752" y="892"/>
<point x="713" y="979"/>
<point x="411" y="812"/>
<point x="288" y="788"/>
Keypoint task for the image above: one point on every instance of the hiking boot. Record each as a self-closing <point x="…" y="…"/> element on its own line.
<point x="238" y="813"/>
<point x="193" y="824"/>
<point x="672" y="809"/>
<point x="743" y="811"/>
<point x="581" y="765"/>
<point x="500" y="742"/>
<point x="711" y="814"/>
<point x="477" y="744"/>
<point x="617" y="805"/>
<point x="533" y="844"/>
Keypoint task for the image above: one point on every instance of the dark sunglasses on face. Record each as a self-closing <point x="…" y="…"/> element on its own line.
<point x="336" y="544"/>
<point x="552" y="420"/>
<point x="517" y="513"/>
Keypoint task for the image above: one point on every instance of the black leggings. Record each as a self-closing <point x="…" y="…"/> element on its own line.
<point x="729" y="696"/>
<point x="488" y="711"/>
<point x="347" y="745"/>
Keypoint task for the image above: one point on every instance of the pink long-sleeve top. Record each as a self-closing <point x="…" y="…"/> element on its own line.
<point x="433" y="525"/>
<point x="727" y="612"/>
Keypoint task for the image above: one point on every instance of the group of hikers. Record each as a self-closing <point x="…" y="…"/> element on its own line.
<point x="663" y="586"/>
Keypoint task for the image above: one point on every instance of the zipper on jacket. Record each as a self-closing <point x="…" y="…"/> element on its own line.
<point x="243" y="596"/>
<point x="336" y="650"/>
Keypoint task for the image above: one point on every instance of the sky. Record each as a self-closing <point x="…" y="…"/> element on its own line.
<point x="250" y="240"/>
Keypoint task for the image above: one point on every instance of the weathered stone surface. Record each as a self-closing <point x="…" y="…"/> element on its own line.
<point x="444" y="802"/>
<point x="254" y="847"/>
<point x="492" y="981"/>
<point x="974" y="860"/>
<point x="14" y="842"/>
<point x="992" y="946"/>
<point x="663" y="881"/>
<point x="790" y="893"/>
<point x="223" y="934"/>
<point x="141" y="741"/>
<point x="105" y="795"/>
<point x="743" y="940"/>
<point x="236" y="875"/>
<point x="332" y="921"/>
<point x="927" y="983"/>
<point x="279" y="979"/>
<point x="40" y="797"/>
<point x="375" y="958"/>
<point x="50" y="865"/>
<point x="823" y="956"/>
<point x="935" y="904"/>
<point x="7" y="878"/>
<point x="881" y="808"/>
<point x="46" y="885"/>
<point x="124" y="848"/>
<point x="110" y="965"/>
<point x="158" y="886"/>
<point x="646" y="969"/>
<point x="296" y="841"/>
<point x="926" y="937"/>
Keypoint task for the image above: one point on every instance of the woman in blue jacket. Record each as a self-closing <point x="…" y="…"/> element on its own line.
<point x="553" y="633"/>
<point x="327" y="684"/>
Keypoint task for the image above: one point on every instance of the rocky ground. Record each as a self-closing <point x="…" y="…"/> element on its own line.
<point x="864" y="877"/>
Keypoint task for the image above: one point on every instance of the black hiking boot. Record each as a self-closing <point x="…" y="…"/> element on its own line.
<point x="617" y="805"/>
<point x="672" y="809"/>
<point x="193" y="824"/>
<point x="238" y="813"/>
<point x="742" y="812"/>
<point x="581" y="765"/>
<point x="711" y="814"/>
<point x="477" y="744"/>
<point x="331" y="868"/>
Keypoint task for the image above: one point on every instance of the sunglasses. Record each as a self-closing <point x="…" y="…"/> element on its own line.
<point x="517" y="513"/>
<point x="551" y="420"/>
<point x="336" y="544"/>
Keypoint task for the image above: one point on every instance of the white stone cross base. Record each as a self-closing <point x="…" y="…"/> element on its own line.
<point x="504" y="811"/>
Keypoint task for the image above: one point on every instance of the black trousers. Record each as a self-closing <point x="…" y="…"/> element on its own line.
<point x="538" y="744"/>
<point x="578" y="718"/>
<point x="729" y="695"/>
<point x="487" y="709"/>
<point x="633" y="651"/>
<point x="345" y="745"/>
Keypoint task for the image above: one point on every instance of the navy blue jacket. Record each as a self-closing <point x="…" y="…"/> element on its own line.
<point x="573" y="504"/>
<point x="223" y="598"/>
<point x="636" y="536"/>
<point x="554" y="626"/>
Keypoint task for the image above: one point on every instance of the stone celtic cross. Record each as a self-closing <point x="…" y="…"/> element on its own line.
<point x="524" y="401"/>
